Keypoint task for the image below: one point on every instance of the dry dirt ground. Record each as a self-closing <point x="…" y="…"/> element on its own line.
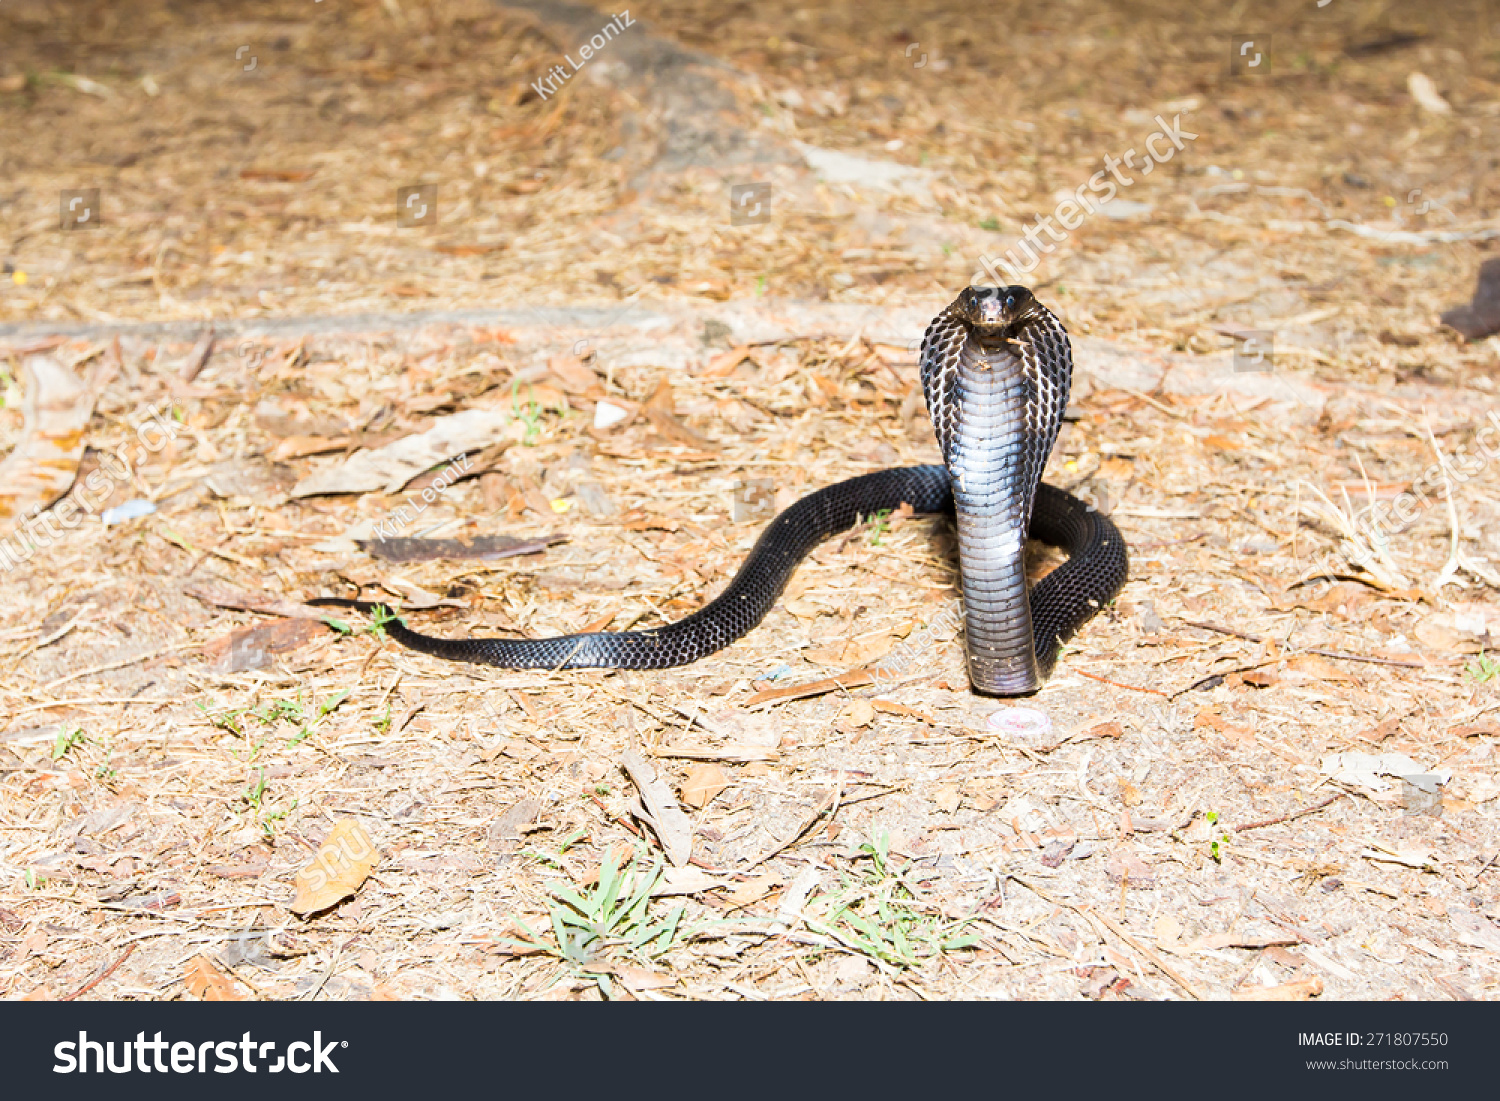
<point x="179" y="742"/>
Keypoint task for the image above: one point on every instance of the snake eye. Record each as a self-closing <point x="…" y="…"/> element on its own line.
<point x="1010" y="301"/>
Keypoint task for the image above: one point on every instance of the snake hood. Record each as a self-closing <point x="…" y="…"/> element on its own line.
<point x="996" y="369"/>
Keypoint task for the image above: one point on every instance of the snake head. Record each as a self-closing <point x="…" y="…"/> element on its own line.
<point x="996" y="309"/>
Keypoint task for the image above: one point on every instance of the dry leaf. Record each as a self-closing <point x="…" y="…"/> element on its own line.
<point x="890" y="707"/>
<point x="725" y="362"/>
<point x="1313" y="665"/>
<point x="946" y="798"/>
<point x="481" y="547"/>
<point x="856" y="715"/>
<point x="300" y="447"/>
<point x="576" y="376"/>
<point x="55" y="407"/>
<point x="854" y="652"/>
<point x="390" y="467"/>
<point x="753" y="890"/>
<point x="702" y="784"/>
<point x="1299" y="991"/>
<point x="1471" y="626"/>
<point x="640" y="978"/>
<point x="1474" y="929"/>
<point x="1168" y="932"/>
<point x="1206" y="719"/>
<point x="1123" y="864"/>
<point x="337" y="870"/>
<point x="855" y="678"/>
<point x="1366" y="769"/>
<point x="660" y="810"/>
<point x="207" y="983"/>
<point x="1425" y="92"/>
<point x="686" y="881"/>
<point x="253" y="647"/>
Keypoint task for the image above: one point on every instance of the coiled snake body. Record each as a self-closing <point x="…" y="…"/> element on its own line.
<point x="996" y="368"/>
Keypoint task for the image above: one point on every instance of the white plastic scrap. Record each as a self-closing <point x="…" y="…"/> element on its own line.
<point x="1366" y="769"/>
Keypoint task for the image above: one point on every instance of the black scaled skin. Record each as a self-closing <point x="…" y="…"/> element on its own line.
<point x="995" y="367"/>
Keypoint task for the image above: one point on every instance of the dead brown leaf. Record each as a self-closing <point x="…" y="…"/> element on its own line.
<point x="341" y="865"/>
<point x="725" y="362"/>
<point x="754" y="889"/>
<point x="576" y="376"/>
<point x="854" y="652"/>
<point x="253" y="647"/>
<point x="856" y="715"/>
<point x="207" y="983"/>
<point x="946" y="798"/>
<point x="1124" y="864"/>
<point x="702" y="784"/>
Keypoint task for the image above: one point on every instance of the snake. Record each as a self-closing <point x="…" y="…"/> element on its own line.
<point x="996" y="370"/>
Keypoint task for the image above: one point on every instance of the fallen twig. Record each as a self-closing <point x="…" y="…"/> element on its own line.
<point x="1093" y="915"/>
<point x="1338" y="654"/>
<point x="99" y="978"/>
<point x="1117" y="684"/>
<point x="1288" y="817"/>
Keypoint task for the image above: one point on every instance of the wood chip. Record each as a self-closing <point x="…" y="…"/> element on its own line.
<point x="1299" y="991"/>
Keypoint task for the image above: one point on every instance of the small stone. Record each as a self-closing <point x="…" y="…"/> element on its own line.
<point x="595" y="501"/>
<point x="607" y="415"/>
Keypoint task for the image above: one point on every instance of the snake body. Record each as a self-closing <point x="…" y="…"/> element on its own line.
<point x="996" y="367"/>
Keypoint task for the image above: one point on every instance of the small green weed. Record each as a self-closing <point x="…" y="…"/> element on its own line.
<point x="877" y="915"/>
<point x="256" y="798"/>
<point x="1483" y="669"/>
<point x="529" y="413"/>
<point x="1219" y="840"/>
<point x="295" y="712"/>
<point x="592" y="927"/>
<point x="68" y="739"/>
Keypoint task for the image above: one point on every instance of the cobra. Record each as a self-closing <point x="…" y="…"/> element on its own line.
<point x="996" y="370"/>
